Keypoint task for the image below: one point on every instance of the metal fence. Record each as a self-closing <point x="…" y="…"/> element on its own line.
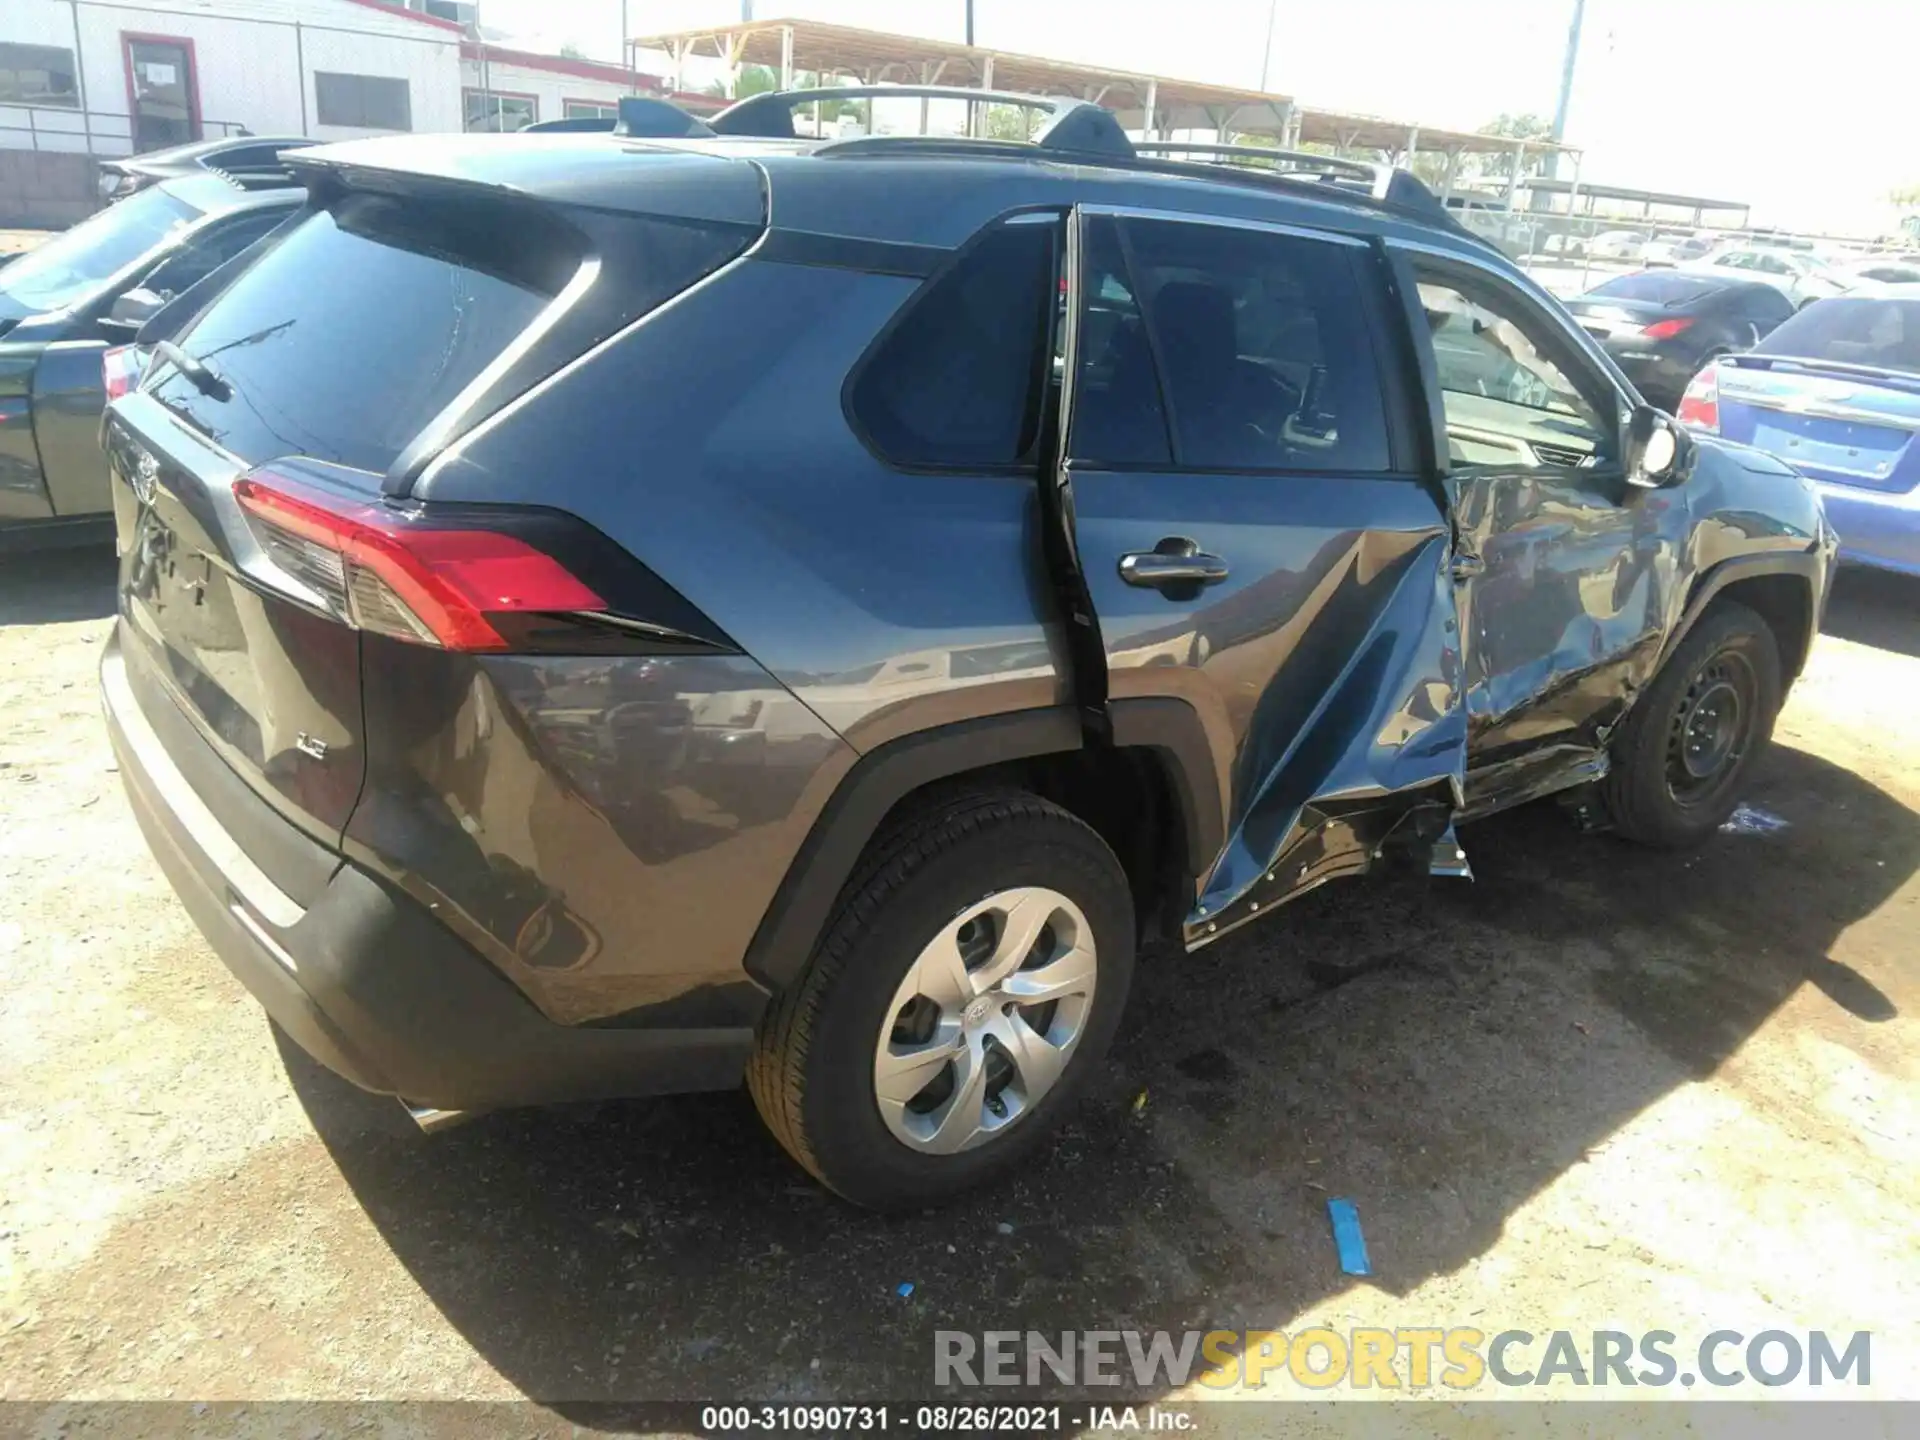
<point x="1570" y="254"/>
<point x="100" y="133"/>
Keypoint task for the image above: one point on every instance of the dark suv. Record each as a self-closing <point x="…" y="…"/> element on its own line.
<point x="609" y="616"/>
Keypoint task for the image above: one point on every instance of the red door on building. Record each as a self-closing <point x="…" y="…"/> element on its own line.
<point x="163" y="91"/>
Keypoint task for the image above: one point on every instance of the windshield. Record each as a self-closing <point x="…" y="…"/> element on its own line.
<point x="68" y="267"/>
<point x="1662" y="289"/>
<point x="1884" y="334"/>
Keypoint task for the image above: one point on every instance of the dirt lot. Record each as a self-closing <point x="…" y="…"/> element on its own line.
<point x="1597" y="1087"/>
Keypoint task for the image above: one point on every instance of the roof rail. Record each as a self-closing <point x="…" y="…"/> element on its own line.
<point x="1326" y="168"/>
<point x="1074" y="126"/>
<point x="1386" y="185"/>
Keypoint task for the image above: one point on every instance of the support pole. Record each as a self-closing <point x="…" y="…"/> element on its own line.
<point x="1413" y="145"/>
<point x="1153" y="102"/>
<point x="1513" y="178"/>
<point x="786" y="57"/>
<point x="976" y="112"/>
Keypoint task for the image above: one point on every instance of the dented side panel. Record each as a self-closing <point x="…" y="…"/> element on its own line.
<point x="1564" y="609"/>
<point x="1325" y="669"/>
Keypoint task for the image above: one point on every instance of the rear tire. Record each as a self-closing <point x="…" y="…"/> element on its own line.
<point x="965" y="880"/>
<point x="1686" y="749"/>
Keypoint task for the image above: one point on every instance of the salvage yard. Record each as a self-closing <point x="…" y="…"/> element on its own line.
<point x="1598" y="1087"/>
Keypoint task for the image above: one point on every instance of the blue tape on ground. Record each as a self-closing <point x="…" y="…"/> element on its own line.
<point x="1347" y="1238"/>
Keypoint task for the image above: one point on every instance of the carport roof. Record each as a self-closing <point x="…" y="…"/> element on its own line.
<point x="876" y="57"/>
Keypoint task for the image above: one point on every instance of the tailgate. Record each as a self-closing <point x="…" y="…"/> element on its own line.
<point x="271" y="685"/>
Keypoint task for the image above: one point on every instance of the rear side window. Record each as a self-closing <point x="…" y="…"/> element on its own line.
<point x="959" y="380"/>
<point x="1264" y="349"/>
<point x="361" y="324"/>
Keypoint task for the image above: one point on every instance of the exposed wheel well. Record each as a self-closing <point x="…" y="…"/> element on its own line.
<point x="1124" y="792"/>
<point x="1785" y="602"/>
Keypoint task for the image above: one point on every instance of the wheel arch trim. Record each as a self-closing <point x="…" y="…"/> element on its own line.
<point x="1802" y="565"/>
<point x="804" y="905"/>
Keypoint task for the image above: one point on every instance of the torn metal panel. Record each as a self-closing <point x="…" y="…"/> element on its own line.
<point x="1562" y="618"/>
<point x="1341" y="760"/>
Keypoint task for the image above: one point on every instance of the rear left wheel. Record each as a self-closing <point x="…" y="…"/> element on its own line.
<point x="963" y="994"/>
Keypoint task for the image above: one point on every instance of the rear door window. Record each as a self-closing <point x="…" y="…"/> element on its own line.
<point x="1117" y="415"/>
<point x="1264" y="347"/>
<point x="362" y="324"/>
<point x="959" y="381"/>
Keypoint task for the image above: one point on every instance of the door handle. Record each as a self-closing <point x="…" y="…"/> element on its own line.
<point x="1176" y="560"/>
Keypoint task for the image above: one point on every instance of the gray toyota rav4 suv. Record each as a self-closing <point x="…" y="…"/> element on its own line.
<point x="605" y="615"/>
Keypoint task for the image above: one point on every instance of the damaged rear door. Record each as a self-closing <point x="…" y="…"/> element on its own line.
<point x="1243" y="495"/>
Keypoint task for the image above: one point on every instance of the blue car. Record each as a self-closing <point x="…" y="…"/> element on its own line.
<point x="1835" y="392"/>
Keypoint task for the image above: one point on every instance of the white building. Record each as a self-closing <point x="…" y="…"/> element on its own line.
<point x="108" y="77"/>
<point x="90" y="79"/>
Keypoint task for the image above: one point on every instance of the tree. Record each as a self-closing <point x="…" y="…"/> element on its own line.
<point x="571" y="51"/>
<point x="1010" y="122"/>
<point x="1514" y="127"/>
<point x="1907" y="197"/>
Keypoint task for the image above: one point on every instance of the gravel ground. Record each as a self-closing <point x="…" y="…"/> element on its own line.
<point x="1596" y="1088"/>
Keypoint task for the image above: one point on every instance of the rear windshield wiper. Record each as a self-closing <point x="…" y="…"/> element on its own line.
<point x="198" y="373"/>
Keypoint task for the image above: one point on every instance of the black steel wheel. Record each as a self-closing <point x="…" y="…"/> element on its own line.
<point x="1684" y="752"/>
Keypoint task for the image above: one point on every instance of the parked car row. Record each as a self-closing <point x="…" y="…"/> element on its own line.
<point x="602" y="616"/>
<point x="1830" y="385"/>
<point x="69" y="307"/>
<point x="1835" y="392"/>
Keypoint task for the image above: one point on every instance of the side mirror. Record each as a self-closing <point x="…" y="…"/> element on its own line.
<point x="1659" y="449"/>
<point x="135" y="308"/>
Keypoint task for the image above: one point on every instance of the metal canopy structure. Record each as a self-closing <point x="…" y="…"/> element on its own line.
<point x="1150" y="105"/>
<point x="1543" y="193"/>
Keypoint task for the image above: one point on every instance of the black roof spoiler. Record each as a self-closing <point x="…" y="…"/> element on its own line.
<point x="657" y="119"/>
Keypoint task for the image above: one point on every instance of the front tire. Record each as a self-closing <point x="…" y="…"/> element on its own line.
<point x="1687" y="747"/>
<point x="967" y="987"/>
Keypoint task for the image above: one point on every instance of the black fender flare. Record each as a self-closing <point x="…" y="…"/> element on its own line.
<point x="1807" y="565"/>
<point x="803" y="906"/>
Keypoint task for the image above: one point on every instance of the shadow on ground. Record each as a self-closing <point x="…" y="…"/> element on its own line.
<point x="1873" y="607"/>
<point x="1437" y="1051"/>
<point x="56" y="585"/>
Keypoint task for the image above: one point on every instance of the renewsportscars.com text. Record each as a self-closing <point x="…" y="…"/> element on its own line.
<point x="1365" y="1358"/>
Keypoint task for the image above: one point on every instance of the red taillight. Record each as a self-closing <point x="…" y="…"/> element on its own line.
<point x="1700" y="406"/>
<point x="120" y="370"/>
<point x="1667" y="329"/>
<point x="387" y="572"/>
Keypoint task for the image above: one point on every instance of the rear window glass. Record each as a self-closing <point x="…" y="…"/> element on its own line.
<point x="1661" y="289"/>
<point x="361" y="325"/>
<point x="1880" y="333"/>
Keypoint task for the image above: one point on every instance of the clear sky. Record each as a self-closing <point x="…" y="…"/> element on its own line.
<point x="1806" y="108"/>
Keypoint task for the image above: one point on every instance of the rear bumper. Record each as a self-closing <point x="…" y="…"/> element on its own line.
<point x="369" y="983"/>
<point x="1875" y="528"/>
<point x="1661" y="378"/>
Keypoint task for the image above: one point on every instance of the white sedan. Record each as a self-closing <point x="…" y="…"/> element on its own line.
<point x="1801" y="277"/>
